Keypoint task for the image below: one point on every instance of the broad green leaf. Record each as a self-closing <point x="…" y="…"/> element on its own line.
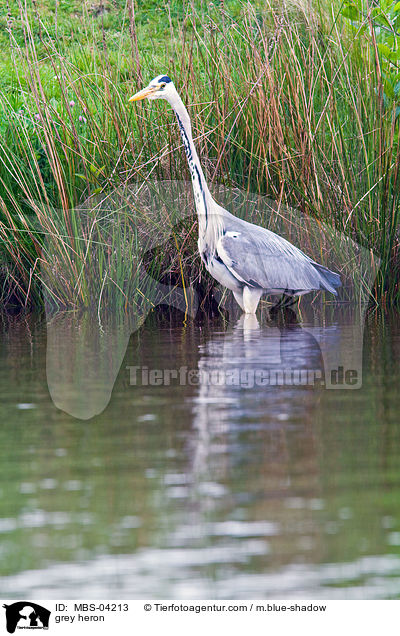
<point x="381" y="18"/>
<point x="375" y="11"/>
<point x="388" y="88"/>
<point x="350" y="11"/>
<point x="386" y="52"/>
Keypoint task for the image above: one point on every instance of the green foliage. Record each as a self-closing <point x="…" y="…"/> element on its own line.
<point x="381" y="20"/>
<point x="285" y="103"/>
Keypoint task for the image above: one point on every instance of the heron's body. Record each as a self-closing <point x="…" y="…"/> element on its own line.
<point x="246" y="258"/>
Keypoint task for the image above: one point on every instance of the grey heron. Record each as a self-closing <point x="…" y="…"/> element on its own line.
<point x="246" y="258"/>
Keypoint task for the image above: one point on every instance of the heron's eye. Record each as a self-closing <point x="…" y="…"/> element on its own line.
<point x="162" y="85"/>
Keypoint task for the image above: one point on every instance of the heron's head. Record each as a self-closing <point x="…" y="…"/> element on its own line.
<point x="161" y="87"/>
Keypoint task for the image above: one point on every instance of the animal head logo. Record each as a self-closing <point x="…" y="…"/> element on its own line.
<point x="25" y="614"/>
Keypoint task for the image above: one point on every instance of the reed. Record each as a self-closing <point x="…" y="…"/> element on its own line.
<point x="285" y="103"/>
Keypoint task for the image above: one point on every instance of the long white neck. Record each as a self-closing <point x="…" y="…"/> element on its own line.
<point x="210" y="222"/>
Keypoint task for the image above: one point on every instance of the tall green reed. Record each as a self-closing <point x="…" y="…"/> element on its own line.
<point x="284" y="104"/>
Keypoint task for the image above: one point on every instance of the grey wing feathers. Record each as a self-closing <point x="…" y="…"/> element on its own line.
<point x="261" y="258"/>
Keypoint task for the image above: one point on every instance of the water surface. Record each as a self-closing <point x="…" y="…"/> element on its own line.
<point x="200" y="490"/>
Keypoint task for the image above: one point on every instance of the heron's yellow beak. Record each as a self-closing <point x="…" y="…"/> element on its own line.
<point x="142" y="94"/>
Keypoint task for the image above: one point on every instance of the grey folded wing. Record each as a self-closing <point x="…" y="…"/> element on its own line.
<point x="260" y="258"/>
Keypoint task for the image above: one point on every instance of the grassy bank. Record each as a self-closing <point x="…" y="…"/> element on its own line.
<point x="286" y="103"/>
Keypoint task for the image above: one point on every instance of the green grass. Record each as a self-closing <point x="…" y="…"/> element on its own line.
<point x="284" y="105"/>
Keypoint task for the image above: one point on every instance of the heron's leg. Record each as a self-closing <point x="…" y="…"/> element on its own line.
<point x="239" y="298"/>
<point x="290" y="301"/>
<point x="279" y="303"/>
<point x="251" y="298"/>
<point x="285" y="301"/>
